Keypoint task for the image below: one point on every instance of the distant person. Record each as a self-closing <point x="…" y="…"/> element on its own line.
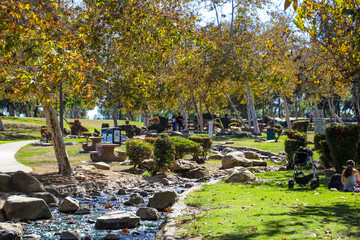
<point x="179" y="120"/>
<point x="350" y="177"/>
<point x="127" y="122"/>
<point x="174" y="122"/>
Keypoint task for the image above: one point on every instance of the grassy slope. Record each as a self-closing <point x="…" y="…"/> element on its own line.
<point x="269" y="210"/>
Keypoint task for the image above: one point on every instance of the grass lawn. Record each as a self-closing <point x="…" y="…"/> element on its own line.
<point x="42" y="158"/>
<point x="269" y="210"/>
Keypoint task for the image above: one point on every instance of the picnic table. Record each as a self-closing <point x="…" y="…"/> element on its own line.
<point x="105" y="153"/>
<point x="92" y="147"/>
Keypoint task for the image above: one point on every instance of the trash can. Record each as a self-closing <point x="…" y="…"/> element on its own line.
<point x="111" y="135"/>
<point x="270" y="134"/>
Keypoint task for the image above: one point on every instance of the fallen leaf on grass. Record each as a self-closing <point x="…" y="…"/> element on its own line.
<point x="328" y="230"/>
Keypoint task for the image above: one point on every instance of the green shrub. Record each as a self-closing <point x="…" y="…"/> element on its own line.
<point x="156" y="126"/>
<point x="164" y="122"/>
<point x="137" y="150"/>
<point x="105" y="125"/>
<point x="317" y="138"/>
<point x="325" y="155"/>
<point x="130" y="130"/>
<point x="205" y="142"/>
<point x="343" y="143"/>
<point x="295" y="140"/>
<point x="77" y="128"/>
<point x="301" y="126"/>
<point x="150" y="140"/>
<point x="291" y="145"/>
<point x="301" y="137"/>
<point x="185" y="146"/>
<point x="96" y="132"/>
<point x="164" y="153"/>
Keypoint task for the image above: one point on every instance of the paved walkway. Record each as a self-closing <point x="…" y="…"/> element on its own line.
<point x="8" y="162"/>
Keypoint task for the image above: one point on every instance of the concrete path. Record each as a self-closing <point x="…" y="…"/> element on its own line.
<point x="8" y="162"/>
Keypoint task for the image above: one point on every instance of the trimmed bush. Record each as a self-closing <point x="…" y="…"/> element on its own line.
<point x="77" y="128"/>
<point x="154" y="120"/>
<point x="105" y="125"/>
<point x="164" y="122"/>
<point x="205" y="143"/>
<point x="184" y="146"/>
<point x="325" y="154"/>
<point x="138" y="150"/>
<point x="131" y="130"/>
<point x="164" y="153"/>
<point x="150" y="140"/>
<point x="295" y="140"/>
<point x="317" y="138"/>
<point x="301" y="126"/>
<point x="156" y="126"/>
<point x="343" y="143"/>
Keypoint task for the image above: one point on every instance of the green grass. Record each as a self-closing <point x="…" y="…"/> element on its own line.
<point x="269" y="210"/>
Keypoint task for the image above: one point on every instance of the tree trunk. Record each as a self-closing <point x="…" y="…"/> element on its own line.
<point x="11" y="109"/>
<point x="149" y="109"/>
<point x="235" y="109"/>
<point x="183" y="112"/>
<point x="331" y="107"/>
<point x="253" y="112"/>
<point x="248" y="110"/>
<point x="201" y="116"/>
<point x="2" y="127"/>
<point x="61" y="154"/>
<point x="196" y="108"/>
<point x="113" y="107"/>
<point x="288" y="122"/>
<point x="131" y="116"/>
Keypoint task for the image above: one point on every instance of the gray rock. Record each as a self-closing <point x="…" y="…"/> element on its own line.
<point x="143" y="193"/>
<point x="24" y="182"/>
<point x="112" y="236"/>
<point x="165" y="182"/>
<point x="84" y="168"/>
<point x="162" y="199"/>
<point x="147" y="164"/>
<point x="83" y="210"/>
<point x="135" y="199"/>
<point x="251" y="155"/>
<point x="181" y="165"/>
<point x="240" y="175"/>
<point x="70" y="235"/>
<point x="146" y="213"/>
<point x="201" y="172"/>
<point x="2" y="216"/>
<point x="18" y="208"/>
<point x="189" y="185"/>
<point x="117" y="220"/>
<point x="48" y="197"/>
<point x="101" y="165"/>
<point x="216" y="157"/>
<point x="259" y="163"/>
<point x="228" y="150"/>
<point x="5" y="182"/>
<point x="230" y="161"/>
<point x="237" y="153"/>
<point x="10" y="231"/>
<point x="121" y="192"/>
<point x="69" y="205"/>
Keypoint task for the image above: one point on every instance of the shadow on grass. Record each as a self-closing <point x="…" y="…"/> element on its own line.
<point x="338" y="212"/>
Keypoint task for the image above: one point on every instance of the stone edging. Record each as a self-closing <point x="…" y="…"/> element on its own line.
<point x="167" y="230"/>
<point x="262" y="152"/>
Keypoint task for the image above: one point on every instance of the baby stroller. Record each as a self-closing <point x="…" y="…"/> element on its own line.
<point x="303" y="160"/>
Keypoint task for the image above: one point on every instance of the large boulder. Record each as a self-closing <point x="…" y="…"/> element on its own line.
<point x="230" y="161"/>
<point x="69" y="205"/>
<point x="251" y="155"/>
<point x="48" y="197"/>
<point x="216" y="157"/>
<point x="146" y="213"/>
<point x="70" y="235"/>
<point x="237" y="153"/>
<point x="134" y="199"/>
<point x="240" y="174"/>
<point x="181" y="165"/>
<point x="18" y="208"/>
<point x="117" y="220"/>
<point x="24" y="182"/>
<point x="5" y="182"/>
<point x="148" y="164"/>
<point x="162" y="199"/>
<point x="228" y="150"/>
<point x="11" y="231"/>
<point x="101" y="165"/>
<point x="261" y="163"/>
<point x="201" y="172"/>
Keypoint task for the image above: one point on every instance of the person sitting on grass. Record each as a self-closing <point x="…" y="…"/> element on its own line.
<point x="349" y="177"/>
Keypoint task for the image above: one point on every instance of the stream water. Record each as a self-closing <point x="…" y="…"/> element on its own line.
<point x="85" y="224"/>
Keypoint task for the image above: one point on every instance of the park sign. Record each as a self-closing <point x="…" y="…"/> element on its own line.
<point x="319" y="123"/>
<point x="211" y="129"/>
